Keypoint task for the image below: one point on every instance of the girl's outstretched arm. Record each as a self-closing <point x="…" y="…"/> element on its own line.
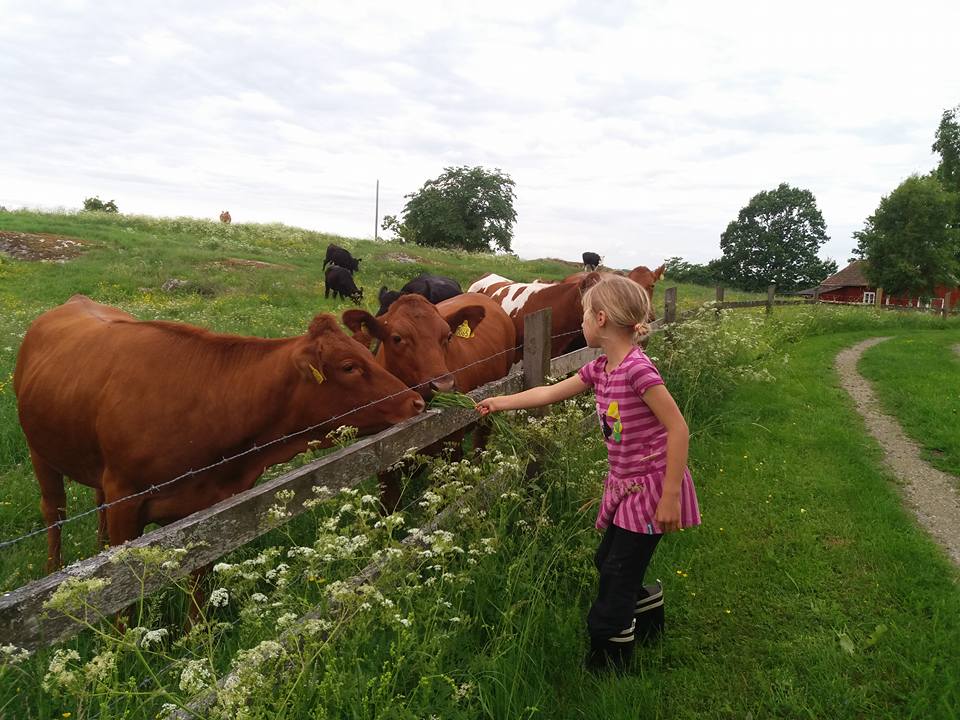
<point x="534" y="397"/>
<point x="661" y="402"/>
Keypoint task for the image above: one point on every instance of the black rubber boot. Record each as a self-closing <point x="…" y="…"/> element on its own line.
<point x="612" y="654"/>
<point x="648" y="616"/>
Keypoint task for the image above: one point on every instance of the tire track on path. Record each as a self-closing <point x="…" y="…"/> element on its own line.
<point x="929" y="492"/>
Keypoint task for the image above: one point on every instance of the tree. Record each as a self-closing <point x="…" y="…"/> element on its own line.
<point x="775" y="240"/>
<point x="679" y="270"/>
<point x="467" y="208"/>
<point x="947" y="144"/>
<point x="95" y="204"/>
<point x="908" y="242"/>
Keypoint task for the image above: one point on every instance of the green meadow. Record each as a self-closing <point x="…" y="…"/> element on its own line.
<point x="808" y="592"/>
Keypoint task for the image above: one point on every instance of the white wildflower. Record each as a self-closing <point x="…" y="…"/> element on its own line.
<point x="219" y="597"/>
<point x="12" y="655"/>
<point x="195" y="677"/>
<point x="286" y="620"/>
<point x="258" y="598"/>
<point x="153" y="637"/>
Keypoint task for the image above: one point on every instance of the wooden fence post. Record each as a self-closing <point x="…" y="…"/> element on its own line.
<point x="770" y="291"/>
<point x="945" y="309"/>
<point x="720" y="290"/>
<point x="670" y="306"/>
<point x="536" y="350"/>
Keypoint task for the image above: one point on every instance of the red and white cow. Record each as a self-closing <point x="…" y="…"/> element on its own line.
<point x="521" y="299"/>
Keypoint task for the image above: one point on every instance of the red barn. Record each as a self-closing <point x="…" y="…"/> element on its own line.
<point x="850" y="285"/>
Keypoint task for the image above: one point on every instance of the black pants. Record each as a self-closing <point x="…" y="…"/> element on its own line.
<point x="622" y="559"/>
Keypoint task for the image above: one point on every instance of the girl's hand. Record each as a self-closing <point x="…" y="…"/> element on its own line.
<point x="489" y="405"/>
<point x="668" y="512"/>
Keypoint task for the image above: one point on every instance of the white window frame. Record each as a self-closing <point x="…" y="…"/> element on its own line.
<point x="869" y="298"/>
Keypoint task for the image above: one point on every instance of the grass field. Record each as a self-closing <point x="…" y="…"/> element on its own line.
<point x="126" y="261"/>
<point x="917" y="379"/>
<point x="808" y="591"/>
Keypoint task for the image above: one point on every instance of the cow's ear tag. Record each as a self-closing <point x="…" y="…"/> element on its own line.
<point x="317" y="375"/>
<point x="464" y="330"/>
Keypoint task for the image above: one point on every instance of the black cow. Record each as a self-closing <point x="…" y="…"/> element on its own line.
<point x="338" y="256"/>
<point x="435" y="288"/>
<point x="591" y="261"/>
<point x="339" y="281"/>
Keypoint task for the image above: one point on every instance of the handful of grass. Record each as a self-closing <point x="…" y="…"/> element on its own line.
<point x="456" y="399"/>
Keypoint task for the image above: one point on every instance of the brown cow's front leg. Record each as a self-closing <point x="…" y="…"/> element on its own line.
<point x="102" y="535"/>
<point x="390" y="489"/>
<point x="197" y="596"/>
<point x="53" y="506"/>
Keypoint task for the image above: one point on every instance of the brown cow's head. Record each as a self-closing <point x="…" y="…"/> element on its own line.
<point x="414" y="338"/>
<point x="342" y="375"/>
<point x="646" y="278"/>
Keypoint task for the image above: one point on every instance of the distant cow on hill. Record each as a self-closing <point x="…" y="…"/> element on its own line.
<point x="225" y="217"/>
<point x="339" y="281"/>
<point x="157" y="402"/>
<point x="591" y="261"/>
<point x="435" y="288"/>
<point x="338" y="256"/>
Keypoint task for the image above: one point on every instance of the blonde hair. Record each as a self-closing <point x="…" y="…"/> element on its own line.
<point x="625" y="303"/>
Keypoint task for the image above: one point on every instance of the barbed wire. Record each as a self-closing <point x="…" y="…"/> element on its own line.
<point x="256" y="448"/>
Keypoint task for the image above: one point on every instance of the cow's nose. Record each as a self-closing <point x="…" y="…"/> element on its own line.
<point x="444" y="384"/>
<point x="418" y="404"/>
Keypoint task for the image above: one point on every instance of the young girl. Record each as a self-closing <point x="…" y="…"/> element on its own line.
<point x="648" y="490"/>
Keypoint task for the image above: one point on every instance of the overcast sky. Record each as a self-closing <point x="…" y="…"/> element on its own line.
<point x="634" y="129"/>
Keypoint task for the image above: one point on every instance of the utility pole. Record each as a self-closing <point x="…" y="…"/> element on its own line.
<point x="376" y="213"/>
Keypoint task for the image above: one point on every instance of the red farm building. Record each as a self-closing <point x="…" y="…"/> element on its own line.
<point x="850" y="285"/>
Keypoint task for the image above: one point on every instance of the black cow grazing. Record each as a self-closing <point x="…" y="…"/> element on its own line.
<point x="338" y="256"/>
<point x="591" y="261"/>
<point x="435" y="288"/>
<point x="339" y="281"/>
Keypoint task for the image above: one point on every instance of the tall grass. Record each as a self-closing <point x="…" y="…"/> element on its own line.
<point x="807" y="592"/>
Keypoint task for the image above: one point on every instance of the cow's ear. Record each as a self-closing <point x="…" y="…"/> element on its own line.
<point x="589" y="281"/>
<point x="360" y="321"/>
<point x="321" y="325"/>
<point x="659" y="272"/>
<point x="383" y="291"/>
<point x="472" y="315"/>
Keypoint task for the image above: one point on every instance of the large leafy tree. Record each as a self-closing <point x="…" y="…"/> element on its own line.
<point x="466" y="207"/>
<point x="947" y="144"/>
<point x="909" y="242"/>
<point x="775" y="240"/>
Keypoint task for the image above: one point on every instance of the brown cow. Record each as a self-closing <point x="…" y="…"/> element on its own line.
<point x="641" y="275"/>
<point x="520" y="299"/>
<point x="427" y="346"/>
<point x="225" y="217"/>
<point x="122" y="405"/>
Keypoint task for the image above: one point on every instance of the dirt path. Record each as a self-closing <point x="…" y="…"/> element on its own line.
<point x="929" y="491"/>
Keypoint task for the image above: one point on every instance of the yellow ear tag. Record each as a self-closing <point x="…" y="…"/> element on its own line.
<point x="318" y="376"/>
<point x="464" y="330"/>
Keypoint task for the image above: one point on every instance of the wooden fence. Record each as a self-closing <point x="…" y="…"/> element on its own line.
<point x="212" y="533"/>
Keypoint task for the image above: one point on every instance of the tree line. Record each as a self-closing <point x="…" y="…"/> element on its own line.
<point x="911" y="241"/>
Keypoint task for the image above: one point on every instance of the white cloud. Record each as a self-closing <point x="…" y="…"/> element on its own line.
<point x="636" y="129"/>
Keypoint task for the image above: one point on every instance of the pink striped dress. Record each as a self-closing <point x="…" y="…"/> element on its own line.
<point x="636" y="446"/>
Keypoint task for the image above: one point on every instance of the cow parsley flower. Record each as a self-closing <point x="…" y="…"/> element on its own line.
<point x="153" y="637"/>
<point x="219" y="597"/>
<point x="12" y="655"/>
<point x="195" y="676"/>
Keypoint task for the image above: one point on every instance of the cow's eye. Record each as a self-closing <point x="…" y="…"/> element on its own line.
<point x="349" y="367"/>
<point x="397" y="339"/>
